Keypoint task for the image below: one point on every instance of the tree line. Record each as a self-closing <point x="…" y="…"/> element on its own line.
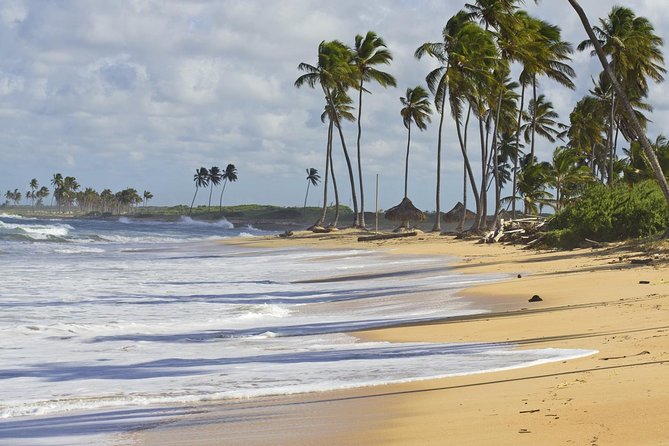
<point x="503" y="118"/>
<point x="68" y="195"/>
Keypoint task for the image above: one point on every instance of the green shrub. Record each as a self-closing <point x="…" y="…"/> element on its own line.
<point x="606" y="214"/>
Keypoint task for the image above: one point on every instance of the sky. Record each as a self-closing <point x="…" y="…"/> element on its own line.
<point x="140" y="93"/>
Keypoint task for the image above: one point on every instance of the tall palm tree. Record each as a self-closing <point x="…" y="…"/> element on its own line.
<point x="230" y="174"/>
<point x="57" y="183"/>
<point x="332" y="72"/>
<point x="532" y="182"/>
<point x="368" y="51"/>
<point x="215" y="178"/>
<point x="624" y="101"/>
<point x="147" y="196"/>
<point x="201" y="179"/>
<point x="444" y="53"/>
<point x="635" y="54"/>
<point x="33" y="187"/>
<point x="312" y="178"/>
<point x="415" y="108"/>
<point x="341" y="106"/>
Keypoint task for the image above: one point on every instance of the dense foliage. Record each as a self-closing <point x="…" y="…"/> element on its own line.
<point x="611" y="213"/>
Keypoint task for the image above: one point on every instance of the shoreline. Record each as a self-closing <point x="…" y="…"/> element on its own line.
<point x="592" y="300"/>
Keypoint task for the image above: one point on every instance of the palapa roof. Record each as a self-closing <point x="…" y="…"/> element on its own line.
<point x="405" y="211"/>
<point x="455" y="214"/>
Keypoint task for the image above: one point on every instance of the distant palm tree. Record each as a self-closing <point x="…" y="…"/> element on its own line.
<point x="33" y="187"/>
<point x="57" y="183"/>
<point x="201" y="179"/>
<point x="368" y="51"/>
<point x="566" y="175"/>
<point x="416" y="108"/>
<point x="147" y="196"/>
<point x="230" y="174"/>
<point x="312" y="178"/>
<point x="215" y="178"/>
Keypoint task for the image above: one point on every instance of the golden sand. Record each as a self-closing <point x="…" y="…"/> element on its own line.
<point x="592" y="299"/>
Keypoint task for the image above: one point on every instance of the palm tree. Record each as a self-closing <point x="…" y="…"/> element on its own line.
<point x="57" y="183"/>
<point x="333" y="72"/>
<point x="624" y="101"/>
<point x="586" y="129"/>
<point x="368" y="51"/>
<point x="230" y="174"/>
<point x="415" y="108"/>
<point x="33" y="187"/>
<point x="532" y="182"/>
<point x="541" y="119"/>
<point x="41" y="194"/>
<point x="147" y="196"/>
<point x="343" y="109"/>
<point x="215" y="177"/>
<point x="312" y="178"/>
<point x="566" y="175"/>
<point x="437" y="82"/>
<point x="635" y="55"/>
<point x="201" y="179"/>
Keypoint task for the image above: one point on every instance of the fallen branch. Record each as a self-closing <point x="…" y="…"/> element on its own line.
<point x="369" y="238"/>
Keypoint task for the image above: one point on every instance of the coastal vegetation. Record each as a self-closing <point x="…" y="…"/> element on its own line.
<point x="480" y="46"/>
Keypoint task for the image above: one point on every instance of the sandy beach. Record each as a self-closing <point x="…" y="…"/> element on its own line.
<point x="613" y="299"/>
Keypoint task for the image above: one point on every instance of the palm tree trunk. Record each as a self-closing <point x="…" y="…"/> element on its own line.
<point x="463" y="147"/>
<point x="327" y="174"/>
<point x="468" y="166"/>
<point x="348" y="159"/>
<point x="437" y="219"/>
<point x="220" y="201"/>
<point x="481" y="215"/>
<point x="191" y="203"/>
<point x="336" y="190"/>
<point x="406" y="161"/>
<point x="361" y="219"/>
<point x="516" y="152"/>
<point x="627" y="107"/>
<point x="211" y="189"/>
<point x="612" y="153"/>
<point x="305" y="197"/>
<point x="534" y="114"/>
<point x="498" y="187"/>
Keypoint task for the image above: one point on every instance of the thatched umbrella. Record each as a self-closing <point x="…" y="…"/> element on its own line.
<point x="404" y="213"/>
<point x="455" y="214"/>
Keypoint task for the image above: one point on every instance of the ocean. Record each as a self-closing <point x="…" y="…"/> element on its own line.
<point x="109" y="325"/>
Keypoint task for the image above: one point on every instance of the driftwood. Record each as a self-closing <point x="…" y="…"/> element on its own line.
<point x="523" y="230"/>
<point x="370" y="238"/>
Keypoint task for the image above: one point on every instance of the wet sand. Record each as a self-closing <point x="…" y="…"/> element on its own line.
<point x="592" y="299"/>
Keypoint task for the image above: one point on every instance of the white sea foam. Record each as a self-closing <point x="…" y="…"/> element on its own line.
<point x="223" y="222"/>
<point x="16" y="217"/>
<point x="38" y="231"/>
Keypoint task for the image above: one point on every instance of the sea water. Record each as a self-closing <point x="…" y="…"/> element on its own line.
<point x="103" y="322"/>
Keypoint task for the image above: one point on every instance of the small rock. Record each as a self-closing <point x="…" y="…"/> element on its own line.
<point x="519" y="276"/>
<point x="535" y="298"/>
<point x="644" y="282"/>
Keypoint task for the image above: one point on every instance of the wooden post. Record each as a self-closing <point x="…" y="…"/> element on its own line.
<point x="377" y="204"/>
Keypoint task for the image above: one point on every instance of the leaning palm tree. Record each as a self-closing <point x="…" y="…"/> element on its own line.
<point x="230" y="174"/>
<point x="201" y="179"/>
<point x="368" y="51"/>
<point x="312" y="178"/>
<point x="416" y="108"/>
<point x="215" y="177"/>
<point x="333" y="72"/>
<point x="624" y="101"/>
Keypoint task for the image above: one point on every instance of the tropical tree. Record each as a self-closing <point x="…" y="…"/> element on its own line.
<point x="567" y="175"/>
<point x="34" y="185"/>
<point x="41" y="194"/>
<point x="415" y="108"/>
<point x="624" y="101"/>
<point x="215" y="178"/>
<point x="634" y="53"/>
<point x="586" y="129"/>
<point x="147" y="196"/>
<point x="368" y="51"/>
<point x="541" y="119"/>
<point x="332" y="72"/>
<point x="57" y="183"/>
<point x="532" y="182"/>
<point x="230" y="174"/>
<point x="342" y="107"/>
<point x="312" y="178"/>
<point x="201" y="179"/>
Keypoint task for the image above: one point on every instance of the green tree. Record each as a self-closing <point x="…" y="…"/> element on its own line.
<point x="147" y="196"/>
<point x="312" y="178"/>
<point x="201" y="179"/>
<point x="230" y="175"/>
<point x="368" y="52"/>
<point x="532" y="182"/>
<point x="541" y="119"/>
<point x="567" y="175"/>
<point x="34" y="185"/>
<point x="332" y="72"/>
<point x="415" y="108"/>
<point x="215" y="177"/>
<point x="57" y="183"/>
